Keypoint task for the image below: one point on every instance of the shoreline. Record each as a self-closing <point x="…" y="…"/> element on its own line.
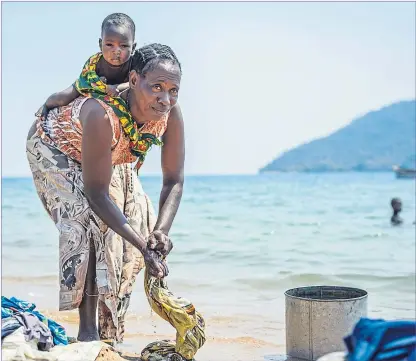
<point x="215" y="348"/>
<point x="233" y="333"/>
<point x="228" y="337"/>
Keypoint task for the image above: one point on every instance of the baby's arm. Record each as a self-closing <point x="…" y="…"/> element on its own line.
<point x="62" y="98"/>
<point x="59" y="99"/>
<point x="116" y="90"/>
<point x="122" y="87"/>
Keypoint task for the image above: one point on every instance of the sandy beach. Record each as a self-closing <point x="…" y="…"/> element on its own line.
<point x="215" y="348"/>
<point x="225" y="338"/>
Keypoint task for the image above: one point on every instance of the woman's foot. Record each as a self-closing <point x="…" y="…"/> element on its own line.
<point x="88" y="335"/>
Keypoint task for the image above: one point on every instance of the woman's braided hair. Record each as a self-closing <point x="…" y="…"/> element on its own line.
<point x="147" y="57"/>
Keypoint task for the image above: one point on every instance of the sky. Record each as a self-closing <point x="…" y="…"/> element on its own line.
<point x="258" y="78"/>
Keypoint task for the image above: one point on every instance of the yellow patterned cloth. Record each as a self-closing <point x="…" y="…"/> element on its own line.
<point x="181" y="314"/>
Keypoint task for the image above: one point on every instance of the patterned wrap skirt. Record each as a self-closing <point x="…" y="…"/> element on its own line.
<point x="59" y="184"/>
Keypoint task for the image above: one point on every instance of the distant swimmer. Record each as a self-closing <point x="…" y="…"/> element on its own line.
<point x="396" y="204"/>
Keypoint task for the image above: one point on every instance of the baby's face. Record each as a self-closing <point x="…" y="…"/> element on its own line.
<point x="117" y="44"/>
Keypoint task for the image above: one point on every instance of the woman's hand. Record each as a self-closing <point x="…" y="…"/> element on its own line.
<point x="155" y="264"/>
<point x="158" y="241"/>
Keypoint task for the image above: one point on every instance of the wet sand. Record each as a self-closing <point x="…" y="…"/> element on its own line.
<point x="229" y="337"/>
<point x="215" y="348"/>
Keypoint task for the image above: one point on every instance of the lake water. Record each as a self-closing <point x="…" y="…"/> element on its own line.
<point x="240" y="242"/>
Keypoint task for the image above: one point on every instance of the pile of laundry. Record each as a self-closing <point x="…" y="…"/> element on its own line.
<point x="17" y="313"/>
<point x="26" y="334"/>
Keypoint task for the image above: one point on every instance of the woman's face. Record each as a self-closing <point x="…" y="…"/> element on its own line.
<point x="155" y="93"/>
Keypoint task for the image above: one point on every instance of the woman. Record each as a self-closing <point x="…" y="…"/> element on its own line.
<point x="80" y="157"/>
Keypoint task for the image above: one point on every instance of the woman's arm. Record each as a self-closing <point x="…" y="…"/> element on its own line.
<point x="173" y="159"/>
<point x="97" y="172"/>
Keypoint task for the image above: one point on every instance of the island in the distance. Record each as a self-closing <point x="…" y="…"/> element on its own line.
<point x="374" y="142"/>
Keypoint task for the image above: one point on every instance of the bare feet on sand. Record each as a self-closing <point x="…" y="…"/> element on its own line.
<point x="88" y="335"/>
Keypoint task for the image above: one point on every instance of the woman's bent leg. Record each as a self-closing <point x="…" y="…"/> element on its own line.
<point x="58" y="182"/>
<point x="88" y="308"/>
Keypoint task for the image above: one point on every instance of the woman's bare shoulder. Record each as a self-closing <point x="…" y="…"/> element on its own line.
<point x="175" y="114"/>
<point x="92" y="111"/>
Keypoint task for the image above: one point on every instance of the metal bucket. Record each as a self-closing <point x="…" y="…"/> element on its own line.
<point x="319" y="317"/>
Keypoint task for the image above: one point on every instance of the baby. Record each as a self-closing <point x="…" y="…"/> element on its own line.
<point x="106" y="72"/>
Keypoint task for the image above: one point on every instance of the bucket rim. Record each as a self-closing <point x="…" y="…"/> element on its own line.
<point x="364" y="294"/>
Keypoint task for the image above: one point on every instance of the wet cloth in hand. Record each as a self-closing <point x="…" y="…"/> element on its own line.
<point x="181" y="314"/>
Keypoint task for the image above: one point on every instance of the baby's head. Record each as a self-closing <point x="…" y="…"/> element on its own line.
<point x="117" y="38"/>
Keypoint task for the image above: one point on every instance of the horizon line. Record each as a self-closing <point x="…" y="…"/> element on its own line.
<point x="153" y="175"/>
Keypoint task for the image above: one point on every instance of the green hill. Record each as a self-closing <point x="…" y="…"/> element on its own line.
<point x="374" y="142"/>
